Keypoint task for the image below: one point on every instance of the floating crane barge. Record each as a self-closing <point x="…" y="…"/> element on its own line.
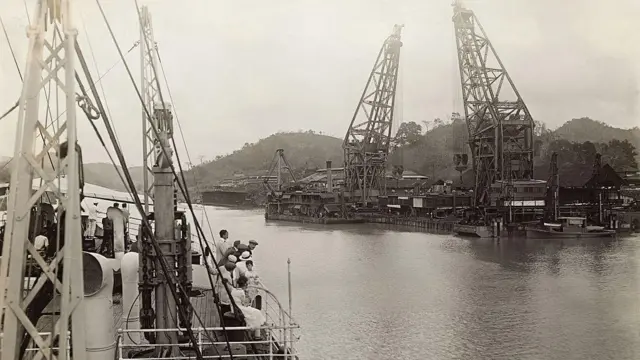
<point x="500" y="134"/>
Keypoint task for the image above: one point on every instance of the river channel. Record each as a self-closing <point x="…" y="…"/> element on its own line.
<point x="369" y="292"/>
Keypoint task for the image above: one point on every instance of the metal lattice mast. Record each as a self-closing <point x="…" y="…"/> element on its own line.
<point x="149" y="90"/>
<point x="48" y="61"/>
<point x="366" y="144"/>
<point x="500" y="131"/>
<point x="174" y="250"/>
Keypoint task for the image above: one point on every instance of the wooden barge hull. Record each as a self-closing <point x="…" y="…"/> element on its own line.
<point x="548" y="234"/>
<point x="312" y="220"/>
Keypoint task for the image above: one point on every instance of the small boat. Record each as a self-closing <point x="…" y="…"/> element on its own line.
<point x="568" y="228"/>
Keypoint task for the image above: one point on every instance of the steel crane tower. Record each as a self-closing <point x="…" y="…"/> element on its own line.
<point x="50" y="59"/>
<point x="175" y="246"/>
<point x="366" y="144"/>
<point x="500" y="131"/>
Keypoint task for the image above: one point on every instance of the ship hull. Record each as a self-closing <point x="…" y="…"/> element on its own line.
<point x="549" y="234"/>
<point x="312" y="220"/>
<point x="480" y="231"/>
<point x="228" y="199"/>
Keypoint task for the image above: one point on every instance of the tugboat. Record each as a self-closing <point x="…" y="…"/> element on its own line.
<point x="568" y="228"/>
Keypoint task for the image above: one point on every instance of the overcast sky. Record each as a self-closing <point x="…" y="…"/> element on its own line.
<point x="241" y="70"/>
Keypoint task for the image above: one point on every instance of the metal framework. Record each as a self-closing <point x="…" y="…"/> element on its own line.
<point x="153" y="282"/>
<point x="553" y="187"/>
<point x="366" y="144"/>
<point x="279" y="164"/>
<point x="500" y="131"/>
<point x="150" y="92"/>
<point x="48" y="61"/>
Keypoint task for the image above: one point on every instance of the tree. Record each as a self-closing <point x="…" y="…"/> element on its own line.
<point x="408" y="133"/>
<point x="427" y="125"/>
<point x="620" y="155"/>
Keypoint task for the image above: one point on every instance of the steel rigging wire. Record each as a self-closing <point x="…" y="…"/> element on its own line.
<point x="204" y="245"/>
<point x="163" y="262"/>
<point x="183" y="187"/>
<point x="164" y="151"/>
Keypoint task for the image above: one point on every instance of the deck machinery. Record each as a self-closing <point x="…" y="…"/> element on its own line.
<point x="171" y="228"/>
<point x="500" y="131"/>
<point x="367" y="142"/>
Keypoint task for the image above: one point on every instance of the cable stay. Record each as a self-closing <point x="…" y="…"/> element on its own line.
<point x="18" y="332"/>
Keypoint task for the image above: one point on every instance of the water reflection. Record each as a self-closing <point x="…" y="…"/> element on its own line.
<point x="365" y="292"/>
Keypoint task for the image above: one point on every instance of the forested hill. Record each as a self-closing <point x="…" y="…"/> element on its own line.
<point x="585" y="129"/>
<point x="303" y="150"/>
<point x="427" y="152"/>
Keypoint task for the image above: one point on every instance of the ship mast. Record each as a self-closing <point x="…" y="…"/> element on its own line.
<point x="149" y="91"/>
<point x="48" y="61"/>
<point x="162" y="191"/>
<point x="366" y="144"/>
<point x="500" y="131"/>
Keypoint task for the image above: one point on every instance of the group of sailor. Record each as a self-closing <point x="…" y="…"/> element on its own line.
<point x="238" y="278"/>
<point x="115" y="228"/>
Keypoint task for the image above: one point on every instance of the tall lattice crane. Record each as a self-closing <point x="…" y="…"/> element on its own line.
<point x="366" y="144"/>
<point x="500" y="131"/>
<point x="51" y="59"/>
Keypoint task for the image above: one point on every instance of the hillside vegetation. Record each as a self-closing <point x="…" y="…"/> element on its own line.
<point x="303" y="150"/>
<point x="585" y="129"/>
<point x="429" y="153"/>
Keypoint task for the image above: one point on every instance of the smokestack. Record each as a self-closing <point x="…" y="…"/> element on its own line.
<point x="329" y="177"/>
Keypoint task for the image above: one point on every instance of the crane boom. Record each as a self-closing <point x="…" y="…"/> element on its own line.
<point x="500" y="131"/>
<point x="366" y="144"/>
<point x="51" y="59"/>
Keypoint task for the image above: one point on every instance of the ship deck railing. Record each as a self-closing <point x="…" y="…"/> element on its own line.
<point x="268" y="343"/>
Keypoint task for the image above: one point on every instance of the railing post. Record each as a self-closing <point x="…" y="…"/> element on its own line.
<point x="270" y="345"/>
<point x="290" y="310"/>
<point x="120" y="346"/>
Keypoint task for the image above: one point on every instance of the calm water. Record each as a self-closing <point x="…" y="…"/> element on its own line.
<point x="365" y="292"/>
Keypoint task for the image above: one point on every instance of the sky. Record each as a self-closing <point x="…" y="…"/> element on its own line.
<point x="242" y="70"/>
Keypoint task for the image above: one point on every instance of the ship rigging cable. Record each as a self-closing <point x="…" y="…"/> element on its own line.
<point x="204" y="245"/>
<point x="145" y="221"/>
<point x="138" y="203"/>
<point x="136" y="197"/>
<point x="17" y="103"/>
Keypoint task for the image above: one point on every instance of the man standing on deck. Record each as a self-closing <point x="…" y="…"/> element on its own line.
<point x="92" y="209"/>
<point x="221" y="245"/>
<point x="232" y="250"/>
<point x="125" y="212"/>
<point x="252" y="246"/>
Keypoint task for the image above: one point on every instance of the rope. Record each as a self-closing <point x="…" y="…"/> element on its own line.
<point x="163" y="262"/>
<point x="13" y="54"/>
<point x="147" y="226"/>
<point x="184" y="190"/>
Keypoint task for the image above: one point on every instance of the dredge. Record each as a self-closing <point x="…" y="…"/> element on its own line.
<point x="505" y="198"/>
<point x="59" y="304"/>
